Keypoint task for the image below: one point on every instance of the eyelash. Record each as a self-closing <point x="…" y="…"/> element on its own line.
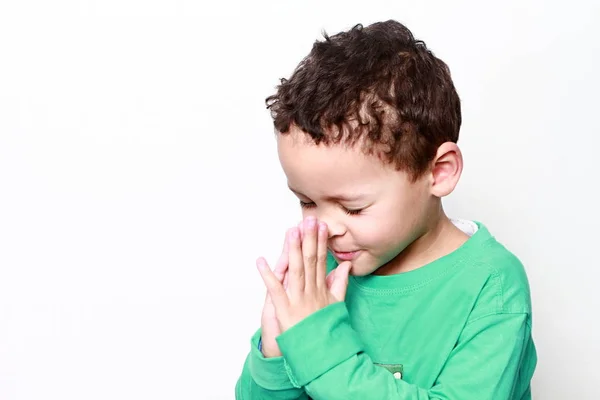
<point x="304" y="204"/>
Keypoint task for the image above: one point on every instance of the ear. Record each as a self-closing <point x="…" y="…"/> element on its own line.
<point x="446" y="169"/>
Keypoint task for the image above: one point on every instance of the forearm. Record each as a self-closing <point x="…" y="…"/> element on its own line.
<point x="265" y="378"/>
<point x="248" y="389"/>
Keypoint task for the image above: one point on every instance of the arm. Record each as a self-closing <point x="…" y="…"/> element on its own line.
<point x="332" y="365"/>
<point x="265" y="378"/>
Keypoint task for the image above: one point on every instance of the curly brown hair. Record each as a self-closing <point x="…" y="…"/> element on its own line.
<point x="375" y="83"/>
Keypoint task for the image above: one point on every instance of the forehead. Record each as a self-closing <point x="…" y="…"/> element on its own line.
<point x="328" y="170"/>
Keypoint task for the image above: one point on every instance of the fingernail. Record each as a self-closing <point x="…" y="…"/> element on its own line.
<point x="322" y="226"/>
<point x="294" y="233"/>
<point x="310" y="222"/>
<point x="260" y="263"/>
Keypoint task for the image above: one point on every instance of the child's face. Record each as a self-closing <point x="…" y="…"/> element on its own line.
<point x="334" y="182"/>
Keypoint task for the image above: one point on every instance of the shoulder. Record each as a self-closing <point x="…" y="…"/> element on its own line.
<point x="505" y="287"/>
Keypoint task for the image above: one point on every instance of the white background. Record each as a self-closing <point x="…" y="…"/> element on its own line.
<point x="139" y="180"/>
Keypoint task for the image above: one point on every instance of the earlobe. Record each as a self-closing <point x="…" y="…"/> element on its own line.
<point x="446" y="169"/>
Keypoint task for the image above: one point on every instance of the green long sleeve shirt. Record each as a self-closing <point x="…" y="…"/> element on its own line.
<point x="458" y="328"/>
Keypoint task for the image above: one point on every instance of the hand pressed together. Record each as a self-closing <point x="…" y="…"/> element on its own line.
<point x="269" y="324"/>
<point x="309" y="289"/>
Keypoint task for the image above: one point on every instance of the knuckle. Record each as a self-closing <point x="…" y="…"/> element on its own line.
<point x="310" y="259"/>
<point x="322" y="258"/>
<point x="299" y="272"/>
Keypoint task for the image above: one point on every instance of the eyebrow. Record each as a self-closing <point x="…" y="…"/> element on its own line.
<point x="338" y="197"/>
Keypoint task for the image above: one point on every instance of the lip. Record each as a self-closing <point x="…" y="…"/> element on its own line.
<point x="345" y="255"/>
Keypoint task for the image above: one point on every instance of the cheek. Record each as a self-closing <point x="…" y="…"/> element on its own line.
<point x="385" y="231"/>
<point x="373" y="233"/>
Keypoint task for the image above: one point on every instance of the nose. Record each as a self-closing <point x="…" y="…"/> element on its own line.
<point x="334" y="226"/>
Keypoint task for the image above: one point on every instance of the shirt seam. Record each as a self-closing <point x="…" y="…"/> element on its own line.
<point x="414" y="287"/>
<point x="496" y="313"/>
<point x="462" y="261"/>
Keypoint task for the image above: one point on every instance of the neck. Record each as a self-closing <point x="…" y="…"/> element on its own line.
<point x="439" y="238"/>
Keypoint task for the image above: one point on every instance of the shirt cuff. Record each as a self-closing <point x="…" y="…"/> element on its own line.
<point x="268" y="373"/>
<point x="318" y="343"/>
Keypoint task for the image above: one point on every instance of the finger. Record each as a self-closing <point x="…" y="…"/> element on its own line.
<point x="279" y="274"/>
<point x="282" y="263"/>
<point x="268" y="299"/>
<point x="322" y="237"/>
<point x="285" y="281"/>
<point x="261" y="261"/>
<point x="340" y="281"/>
<point x="330" y="278"/>
<point x="309" y="253"/>
<point x="274" y="287"/>
<point x="296" y="268"/>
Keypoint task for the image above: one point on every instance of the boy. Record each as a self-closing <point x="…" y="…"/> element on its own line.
<point x="378" y="294"/>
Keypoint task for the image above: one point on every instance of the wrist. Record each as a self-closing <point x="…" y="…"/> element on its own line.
<point x="269" y="350"/>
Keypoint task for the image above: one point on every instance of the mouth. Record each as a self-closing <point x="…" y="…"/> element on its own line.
<point x="345" y="255"/>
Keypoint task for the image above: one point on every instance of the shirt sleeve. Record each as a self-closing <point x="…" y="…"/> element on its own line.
<point x="269" y="378"/>
<point x="324" y="355"/>
<point x="265" y="378"/>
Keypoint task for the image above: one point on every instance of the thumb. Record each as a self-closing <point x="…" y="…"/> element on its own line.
<point x="340" y="281"/>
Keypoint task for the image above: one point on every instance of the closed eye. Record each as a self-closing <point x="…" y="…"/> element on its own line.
<point x="353" y="212"/>
<point x="310" y="204"/>
<point x="305" y="204"/>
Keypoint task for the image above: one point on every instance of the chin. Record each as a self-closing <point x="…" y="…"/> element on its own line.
<point x="362" y="269"/>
